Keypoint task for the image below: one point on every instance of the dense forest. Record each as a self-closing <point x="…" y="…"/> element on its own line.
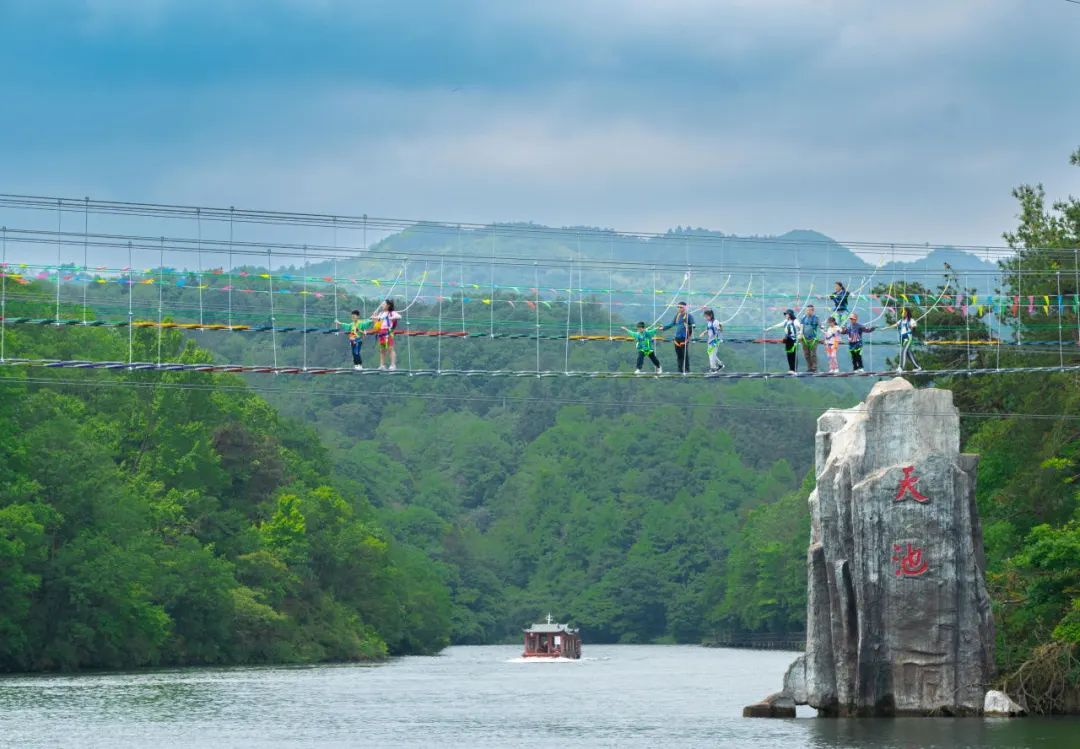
<point x="176" y="519"/>
<point x="194" y="518"/>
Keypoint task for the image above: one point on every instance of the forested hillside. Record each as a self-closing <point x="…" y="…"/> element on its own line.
<point x="177" y="519"/>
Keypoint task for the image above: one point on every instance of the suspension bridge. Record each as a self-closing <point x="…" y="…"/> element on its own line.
<point x="452" y="283"/>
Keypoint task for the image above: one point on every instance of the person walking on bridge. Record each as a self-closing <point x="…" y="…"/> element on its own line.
<point x="839" y="299"/>
<point x="809" y="337"/>
<point x="854" y="330"/>
<point x="684" y="331"/>
<point x="792" y="332"/>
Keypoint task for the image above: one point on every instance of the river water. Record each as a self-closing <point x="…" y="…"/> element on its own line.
<point x="617" y="696"/>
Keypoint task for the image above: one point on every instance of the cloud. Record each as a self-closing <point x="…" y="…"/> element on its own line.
<point x="872" y="121"/>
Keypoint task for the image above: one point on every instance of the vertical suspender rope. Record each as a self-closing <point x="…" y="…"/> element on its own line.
<point x="569" y="302"/>
<point x="581" y="292"/>
<point x="967" y="323"/>
<point x="438" y="338"/>
<point x="273" y="319"/>
<point x="610" y="283"/>
<point x="232" y="210"/>
<point x="1019" y="298"/>
<point x="160" y="297"/>
<point x="85" y="255"/>
<point x="652" y="293"/>
<point x="59" y="259"/>
<point x="198" y="253"/>
<point x="405" y="314"/>
<point x="1076" y="291"/>
<point x="461" y="281"/>
<point x="334" y="271"/>
<point x="131" y="312"/>
<point x="997" y="316"/>
<point x="3" y="293"/>
<point x="461" y="271"/>
<point x="764" y="346"/>
<point x="304" y="293"/>
<point x="1061" y="340"/>
<point x="536" y="312"/>
<point x="994" y="317"/>
<point x="491" y="305"/>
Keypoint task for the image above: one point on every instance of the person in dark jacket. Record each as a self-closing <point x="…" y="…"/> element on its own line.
<point x="839" y="299"/>
<point x="684" y="331"/>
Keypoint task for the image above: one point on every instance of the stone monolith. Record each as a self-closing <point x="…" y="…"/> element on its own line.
<point x="898" y="617"/>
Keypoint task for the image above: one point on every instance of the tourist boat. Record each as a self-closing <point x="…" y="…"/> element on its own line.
<point x="552" y="640"/>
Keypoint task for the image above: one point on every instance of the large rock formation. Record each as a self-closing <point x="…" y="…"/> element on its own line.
<point x="898" y="618"/>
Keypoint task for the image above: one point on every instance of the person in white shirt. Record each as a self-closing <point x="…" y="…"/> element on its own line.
<point x="713" y="339"/>
<point x="905" y="326"/>
<point x="386" y="320"/>
<point x="792" y="330"/>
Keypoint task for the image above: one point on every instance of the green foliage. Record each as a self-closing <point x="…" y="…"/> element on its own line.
<point x="177" y="524"/>
<point x="1028" y="491"/>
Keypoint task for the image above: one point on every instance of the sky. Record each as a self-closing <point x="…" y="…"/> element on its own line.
<point x="874" y="121"/>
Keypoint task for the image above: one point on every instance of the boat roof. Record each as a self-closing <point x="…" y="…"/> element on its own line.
<point x="551" y="628"/>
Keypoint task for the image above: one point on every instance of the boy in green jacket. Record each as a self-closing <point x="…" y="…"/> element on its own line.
<point x="643" y="336"/>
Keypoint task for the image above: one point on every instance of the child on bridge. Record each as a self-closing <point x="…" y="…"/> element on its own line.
<point x="832" y="343"/>
<point x="643" y="336"/>
<point x="356" y="337"/>
<point x="713" y="339"/>
<point x="854" y="330"/>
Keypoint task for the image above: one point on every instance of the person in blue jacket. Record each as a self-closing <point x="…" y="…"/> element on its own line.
<point x="839" y="299"/>
<point x="683" y="325"/>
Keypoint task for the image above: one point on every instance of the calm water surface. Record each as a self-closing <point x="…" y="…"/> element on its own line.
<point x="618" y="696"/>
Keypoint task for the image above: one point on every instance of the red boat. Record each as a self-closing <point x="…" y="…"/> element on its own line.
<point x="552" y="640"/>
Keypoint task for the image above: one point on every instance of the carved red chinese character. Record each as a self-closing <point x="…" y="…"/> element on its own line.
<point x="910" y="563"/>
<point x="907" y="486"/>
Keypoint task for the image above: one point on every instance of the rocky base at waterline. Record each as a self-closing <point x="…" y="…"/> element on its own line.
<point x="777" y="705"/>
<point x="1001" y="705"/>
<point x="898" y="617"/>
